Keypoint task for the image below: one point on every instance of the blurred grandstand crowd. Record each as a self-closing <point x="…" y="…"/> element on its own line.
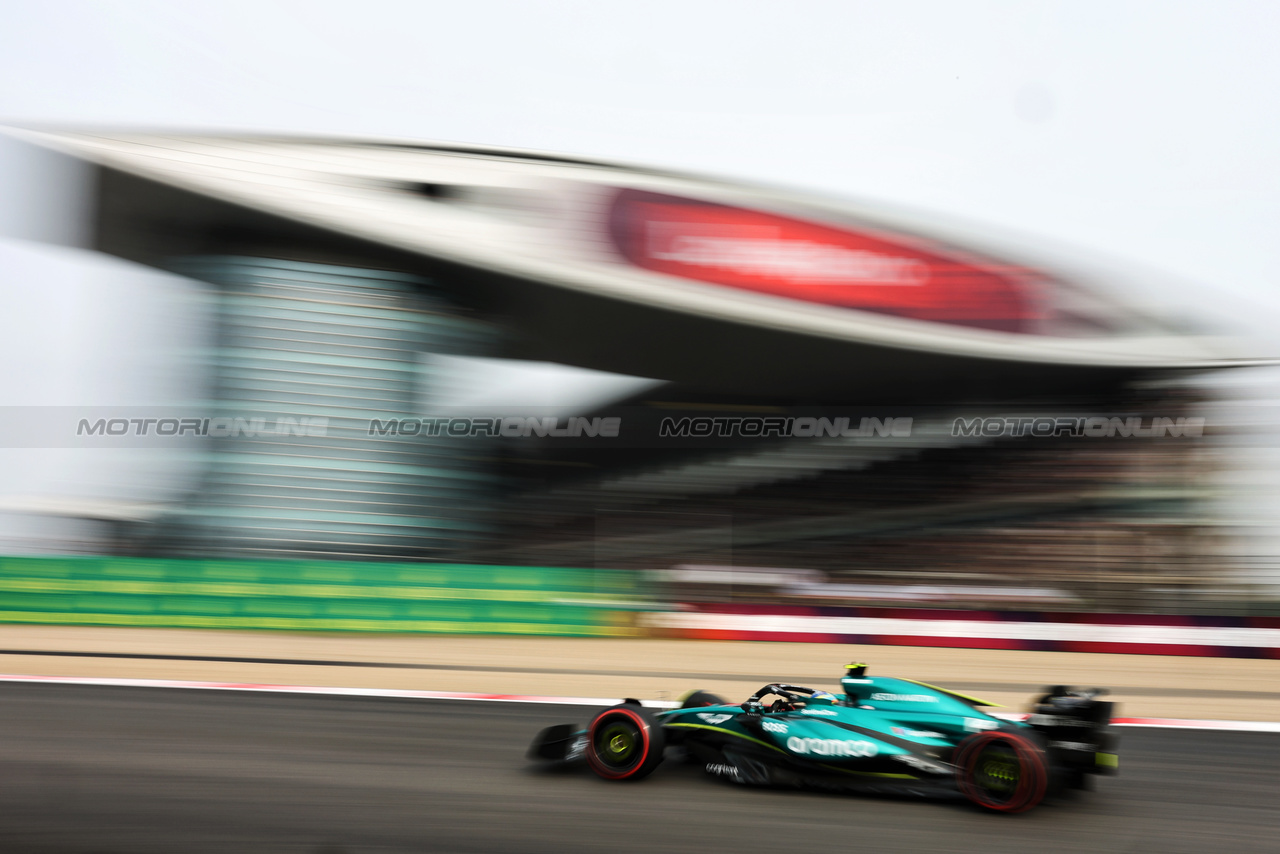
<point x="1071" y="523"/>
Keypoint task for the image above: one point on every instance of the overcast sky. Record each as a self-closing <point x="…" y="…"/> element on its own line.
<point x="1144" y="133"/>
<point x="1147" y="131"/>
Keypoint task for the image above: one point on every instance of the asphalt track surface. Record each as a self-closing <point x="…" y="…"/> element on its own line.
<point x="106" y="770"/>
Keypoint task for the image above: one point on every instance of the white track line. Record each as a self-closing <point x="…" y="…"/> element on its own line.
<point x="336" y="692"/>
<point x="401" y="693"/>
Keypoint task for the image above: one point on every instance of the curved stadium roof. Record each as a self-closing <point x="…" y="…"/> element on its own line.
<point x="716" y="284"/>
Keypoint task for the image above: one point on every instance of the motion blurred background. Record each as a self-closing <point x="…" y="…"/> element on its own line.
<point x="908" y="217"/>
<point x="349" y="347"/>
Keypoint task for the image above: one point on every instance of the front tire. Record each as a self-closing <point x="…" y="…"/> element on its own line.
<point x="698" y="699"/>
<point x="624" y="743"/>
<point x="1002" y="771"/>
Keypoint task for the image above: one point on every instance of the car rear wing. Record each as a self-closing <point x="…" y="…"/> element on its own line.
<point x="1076" y="725"/>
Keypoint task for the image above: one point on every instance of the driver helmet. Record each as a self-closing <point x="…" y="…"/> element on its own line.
<point x="823" y="698"/>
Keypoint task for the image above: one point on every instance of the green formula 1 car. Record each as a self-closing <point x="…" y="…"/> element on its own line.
<point x="880" y="734"/>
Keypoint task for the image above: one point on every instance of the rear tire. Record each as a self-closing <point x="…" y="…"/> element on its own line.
<point x="624" y="743"/>
<point x="1002" y="771"/>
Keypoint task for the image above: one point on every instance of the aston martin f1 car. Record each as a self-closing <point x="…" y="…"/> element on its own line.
<point x="880" y="734"/>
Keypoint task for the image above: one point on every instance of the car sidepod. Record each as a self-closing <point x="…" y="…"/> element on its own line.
<point x="826" y="746"/>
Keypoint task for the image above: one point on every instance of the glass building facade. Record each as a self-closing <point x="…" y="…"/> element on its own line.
<point x="307" y="356"/>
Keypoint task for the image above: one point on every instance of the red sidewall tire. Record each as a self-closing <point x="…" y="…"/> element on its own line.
<point x="1032" y="778"/>
<point x="631" y="722"/>
<point x="698" y="699"/>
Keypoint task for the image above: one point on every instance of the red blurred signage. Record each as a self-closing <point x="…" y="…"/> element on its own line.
<point x="778" y="255"/>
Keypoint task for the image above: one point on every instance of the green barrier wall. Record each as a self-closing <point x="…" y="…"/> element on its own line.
<point x="318" y="596"/>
